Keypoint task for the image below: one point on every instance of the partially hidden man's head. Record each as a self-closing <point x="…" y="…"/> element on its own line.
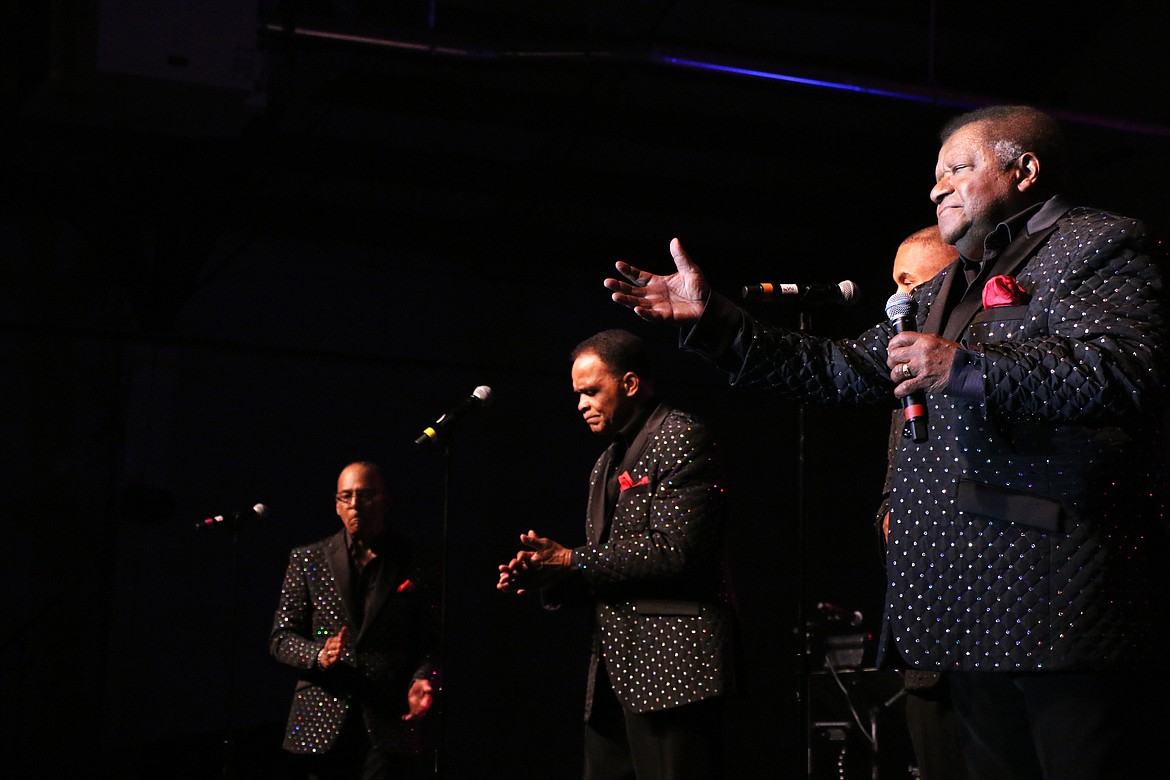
<point x="361" y="500"/>
<point x="612" y="379"/>
<point x="920" y="257"/>
<point x="993" y="163"/>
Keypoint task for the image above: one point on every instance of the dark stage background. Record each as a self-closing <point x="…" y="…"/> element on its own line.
<point x="234" y="257"/>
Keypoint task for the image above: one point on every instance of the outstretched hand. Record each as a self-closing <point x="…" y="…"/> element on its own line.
<point x="678" y="298"/>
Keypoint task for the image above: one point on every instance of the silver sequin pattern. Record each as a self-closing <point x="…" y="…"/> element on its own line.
<point x="1029" y="531"/>
<point x="663" y="608"/>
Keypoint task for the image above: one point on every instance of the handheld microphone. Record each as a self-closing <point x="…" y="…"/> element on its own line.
<point x="900" y="308"/>
<point x="234" y="518"/>
<point x="480" y="396"/>
<point x="845" y="293"/>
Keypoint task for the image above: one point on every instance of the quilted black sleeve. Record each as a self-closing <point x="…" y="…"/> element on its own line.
<point x="1097" y="356"/>
<point x="851" y="371"/>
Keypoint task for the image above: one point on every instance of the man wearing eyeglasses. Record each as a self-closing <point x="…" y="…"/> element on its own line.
<point x="357" y="619"/>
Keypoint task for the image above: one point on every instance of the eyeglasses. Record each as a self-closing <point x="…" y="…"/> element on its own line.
<point x="351" y="497"/>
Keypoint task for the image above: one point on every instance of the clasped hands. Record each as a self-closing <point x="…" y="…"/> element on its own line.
<point x="541" y="565"/>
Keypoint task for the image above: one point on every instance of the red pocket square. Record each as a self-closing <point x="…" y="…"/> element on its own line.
<point x="406" y="587"/>
<point x="1004" y="291"/>
<point x="625" y="481"/>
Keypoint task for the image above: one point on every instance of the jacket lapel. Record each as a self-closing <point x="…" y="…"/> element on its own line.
<point x="337" y="559"/>
<point x="1015" y="255"/>
<point x="638" y="446"/>
<point x="596" y="514"/>
<point x="934" y="320"/>
<point x="1009" y="262"/>
<point x="600" y="510"/>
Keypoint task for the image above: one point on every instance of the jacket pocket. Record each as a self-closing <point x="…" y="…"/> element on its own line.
<point x="667" y="607"/>
<point x="997" y="313"/>
<point x="1012" y="506"/>
<point x="989" y="326"/>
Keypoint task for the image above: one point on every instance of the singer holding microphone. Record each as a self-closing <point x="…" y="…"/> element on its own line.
<point x="1028" y="556"/>
<point x="357" y="619"/>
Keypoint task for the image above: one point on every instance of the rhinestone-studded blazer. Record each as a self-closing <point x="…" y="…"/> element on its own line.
<point x="374" y="672"/>
<point x="654" y="569"/>
<point x="1028" y="532"/>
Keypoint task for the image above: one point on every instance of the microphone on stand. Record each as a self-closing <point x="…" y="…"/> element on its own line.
<point x="901" y="308"/>
<point x="234" y="518"/>
<point x="845" y="293"/>
<point x="480" y="396"/>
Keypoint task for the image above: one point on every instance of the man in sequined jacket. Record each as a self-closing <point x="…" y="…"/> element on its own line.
<point x="653" y="569"/>
<point x="357" y="620"/>
<point x="1027" y="552"/>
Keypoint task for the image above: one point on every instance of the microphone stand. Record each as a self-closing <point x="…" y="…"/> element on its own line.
<point x="803" y="629"/>
<point x="437" y="433"/>
<point x="438" y="766"/>
<point x="804" y="649"/>
<point x="229" y="748"/>
<point x="233" y="523"/>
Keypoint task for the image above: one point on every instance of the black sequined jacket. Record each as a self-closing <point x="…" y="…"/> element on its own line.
<point x="1028" y="532"/>
<point x="656" y="573"/>
<point x="371" y="678"/>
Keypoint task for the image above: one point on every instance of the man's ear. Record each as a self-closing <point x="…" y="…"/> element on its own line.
<point x="1027" y="171"/>
<point x="630" y="384"/>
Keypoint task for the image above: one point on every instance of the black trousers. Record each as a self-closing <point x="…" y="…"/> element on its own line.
<point x="1061" y="725"/>
<point x="352" y="757"/>
<point x="934" y="733"/>
<point x="681" y="743"/>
